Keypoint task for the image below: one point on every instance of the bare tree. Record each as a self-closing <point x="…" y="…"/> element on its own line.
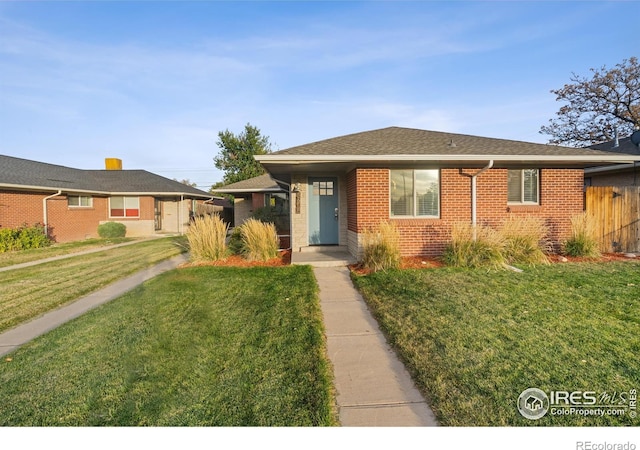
<point x="597" y="106"/>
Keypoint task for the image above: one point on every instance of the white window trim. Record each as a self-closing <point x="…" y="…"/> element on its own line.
<point x="415" y="198"/>
<point x="522" y="202"/>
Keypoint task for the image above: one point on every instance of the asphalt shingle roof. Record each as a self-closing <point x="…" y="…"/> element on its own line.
<point x="409" y="141"/>
<point x="23" y="172"/>
<point x="624" y="146"/>
<point x="256" y="184"/>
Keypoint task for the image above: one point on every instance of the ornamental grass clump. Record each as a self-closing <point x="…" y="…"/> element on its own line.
<point x="525" y="240"/>
<point x="206" y="237"/>
<point x="381" y="248"/>
<point x="482" y="247"/>
<point x="583" y="241"/>
<point x="260" y="240"/>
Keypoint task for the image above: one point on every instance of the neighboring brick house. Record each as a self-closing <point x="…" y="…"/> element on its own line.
<point x="615" y="175"/>
<point x="259" y="192"/>
<point x="423" y="181"/>
<point x="73" y="202"/>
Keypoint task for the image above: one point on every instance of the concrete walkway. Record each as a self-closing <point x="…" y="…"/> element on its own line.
<point x="14" y="338"/>
<point x="373" y="386"/>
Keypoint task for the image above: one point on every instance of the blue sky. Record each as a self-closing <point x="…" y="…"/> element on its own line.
<point x="153" y="83"/>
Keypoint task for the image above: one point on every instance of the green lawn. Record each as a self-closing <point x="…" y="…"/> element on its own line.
<point x="34" y="254"/>
<point x="26" y="293"/>
<point x="202" y="346"/>
<point x="475" y="339"/>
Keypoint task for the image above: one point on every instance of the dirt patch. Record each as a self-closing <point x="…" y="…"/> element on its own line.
<point x="607" y="257"/>
<point x="283" y="259"/>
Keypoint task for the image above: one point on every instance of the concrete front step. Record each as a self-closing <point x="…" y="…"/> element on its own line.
<point x="331" y="258"/>
<point x="323" y="249"/>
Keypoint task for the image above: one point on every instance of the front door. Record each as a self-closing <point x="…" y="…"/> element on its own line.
<point x="323" y="211"/>
<point x="157" y="214"/>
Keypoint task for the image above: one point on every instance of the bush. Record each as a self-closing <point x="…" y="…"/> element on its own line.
<point x="235" y="244"/>
<point x="23" y="238"/>
<point x="381" y="248"/>
<point x="112" y="230"/>
<point x="525" y="240"/>
<point x="260" y="240"/>
<point x="486" y="250"/>
<point x="583" y="241"/>
<point x="206" y="236"/>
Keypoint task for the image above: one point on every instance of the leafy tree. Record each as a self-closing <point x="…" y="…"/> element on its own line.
<point x="187" y="182"/>
<point x="236" y="154"/>
<point x="597" y="106"/>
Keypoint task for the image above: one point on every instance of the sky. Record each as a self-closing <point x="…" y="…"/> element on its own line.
<point x="154" y="82"/>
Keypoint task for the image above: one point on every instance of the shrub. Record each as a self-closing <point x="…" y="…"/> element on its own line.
<point x="112" y="230"/>
<point x="23" y="238"/>
<point x="235" y="244"/>
<point x="206" y="236"/>
<point x="381" y="248"/>
<point x="583" y="241"/>
<point x="260" y="240"/>
<point x="525" y="240"/>
<point x="486" y="250"/>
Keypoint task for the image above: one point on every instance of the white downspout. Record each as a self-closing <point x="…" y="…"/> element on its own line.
<point x="44" y="211"/>
<point x="474" y="196"/>
<point x="181" y="214"/>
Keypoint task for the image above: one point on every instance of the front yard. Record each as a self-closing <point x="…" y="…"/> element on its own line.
<point x="31" y="291"/>
<point x="475" y="339"/>
<point x="202" y="346"/>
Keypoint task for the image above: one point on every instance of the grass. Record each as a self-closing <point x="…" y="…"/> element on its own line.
<point x="260" y="240"/>
<point x="583" y="241"/>
<point x="381" y="247"/>
<point x="475" y="339"/>
<point x="206" y="236"/>
<point x="202" y="346"/>
<point x="29" y="292"/>
<point x="24" y="256"/>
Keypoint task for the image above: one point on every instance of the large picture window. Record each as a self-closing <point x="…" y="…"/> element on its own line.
<point x="124" y="207"/>
<point x="523" y="186"/>
<point x="415" y="193"/>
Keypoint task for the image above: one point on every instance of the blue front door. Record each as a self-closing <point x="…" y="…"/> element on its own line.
<point x="323" y="211"/>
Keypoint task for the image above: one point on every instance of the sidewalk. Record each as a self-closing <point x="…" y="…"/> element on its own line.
<point x="373" y="387"/>
<point x="14" y="338"/>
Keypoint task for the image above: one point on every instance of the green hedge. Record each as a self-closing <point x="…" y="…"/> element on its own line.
<point x="23" y="238"/>
<point x="112" y="230"/>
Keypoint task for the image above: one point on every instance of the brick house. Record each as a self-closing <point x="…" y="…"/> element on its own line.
<point x="249" y="196"/>
<point x="615" y="175"/>
<point x="73" y="202"/>
<point x="424" y="182"/>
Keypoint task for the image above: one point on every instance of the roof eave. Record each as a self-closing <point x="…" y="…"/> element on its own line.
<point x="299" y="159"/>
<point x="24" y="187"/>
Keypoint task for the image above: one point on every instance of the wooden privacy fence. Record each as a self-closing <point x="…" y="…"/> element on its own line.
<point x="616" y="212"/>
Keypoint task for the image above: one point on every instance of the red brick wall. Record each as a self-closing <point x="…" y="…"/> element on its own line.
<point x="65" y="223"/>
<point x="561" y="196"/>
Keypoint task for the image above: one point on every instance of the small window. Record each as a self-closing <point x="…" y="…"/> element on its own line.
<point x="323" y="188"/>
<point x="415" y="193"/>
<point x="124" y="207"/>
<point x="79" y="201"/>
<point x="523" y="186"/>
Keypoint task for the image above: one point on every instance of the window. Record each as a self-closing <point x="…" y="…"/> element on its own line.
<point x="79" y="201"/>
<point x="523" y="186"/>
<point x="415" y="193"/>
<point x="124" y="207"/>
<point x="323" y="188"/>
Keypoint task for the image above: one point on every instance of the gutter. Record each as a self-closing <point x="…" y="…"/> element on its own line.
<point x="44" y="211"/>
<point x="474" y="196"/>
